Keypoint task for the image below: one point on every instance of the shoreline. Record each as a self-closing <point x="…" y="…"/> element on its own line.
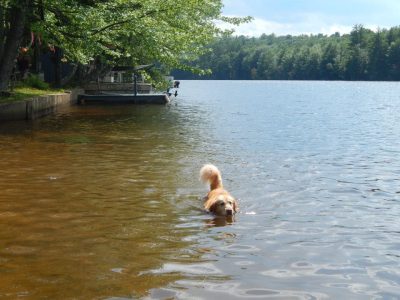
<point x="37" y="107"/>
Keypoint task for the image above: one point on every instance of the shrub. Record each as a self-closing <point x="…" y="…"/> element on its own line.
<point x="35" y="82"/>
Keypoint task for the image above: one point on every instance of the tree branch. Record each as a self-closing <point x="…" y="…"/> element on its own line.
<point x="149" y="13"/>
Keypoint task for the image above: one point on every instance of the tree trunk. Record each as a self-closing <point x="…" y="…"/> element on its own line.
<point x="57" y="67"/>
<point x="2" y="29"/>
<point x="12" y="41"/>
<point x="36" y="64"/>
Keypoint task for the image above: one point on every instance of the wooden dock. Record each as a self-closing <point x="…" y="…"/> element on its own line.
<point x="123" y="99"/>
<point x="93" y="88"/>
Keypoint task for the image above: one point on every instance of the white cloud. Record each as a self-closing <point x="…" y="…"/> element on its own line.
<point x="333" y="28"/>
<point x="259" y="26"/>
<point x="312" y="24"/>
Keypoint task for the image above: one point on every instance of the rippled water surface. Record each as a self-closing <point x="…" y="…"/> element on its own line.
<point x="103" y="202"/>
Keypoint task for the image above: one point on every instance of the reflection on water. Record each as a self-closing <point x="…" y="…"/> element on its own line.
<point x="220" y="221"/>
<point x="89" y="200"/>
<point x="104" y="202"/>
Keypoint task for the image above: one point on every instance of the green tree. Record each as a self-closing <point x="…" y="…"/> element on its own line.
<point x="378" y="59"/>
<point x="14" y="18"/>
<point x="329" y="68"/>
<point x="360" y="55"/>
<point x="105" y="33"/>
<point x="266" y="65"/>
<point x="357" y="65"/>
<point x="394" y="60"/>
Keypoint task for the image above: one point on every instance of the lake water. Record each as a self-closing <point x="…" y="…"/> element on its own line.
<point x="103" y="202"/>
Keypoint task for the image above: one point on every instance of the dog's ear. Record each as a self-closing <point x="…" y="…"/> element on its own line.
<point x="235" y="206"/>
<point x="209" y="205"/>
<point x="211" y="208"/>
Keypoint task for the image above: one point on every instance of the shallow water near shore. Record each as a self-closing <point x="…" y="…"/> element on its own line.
<point x="104" y="202"/>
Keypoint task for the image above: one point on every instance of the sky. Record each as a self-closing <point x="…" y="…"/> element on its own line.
<point x="297" y="17"/>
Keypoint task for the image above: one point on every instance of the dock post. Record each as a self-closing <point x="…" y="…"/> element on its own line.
<point x="135" y="84"/>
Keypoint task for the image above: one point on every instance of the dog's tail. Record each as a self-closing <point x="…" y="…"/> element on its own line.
<point x="210" y="174"/>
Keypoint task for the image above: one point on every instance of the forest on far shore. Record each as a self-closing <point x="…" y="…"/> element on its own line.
<point x="361" y="55"/>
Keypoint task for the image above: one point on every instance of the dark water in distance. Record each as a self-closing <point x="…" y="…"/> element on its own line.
<point x="103" y="202"/>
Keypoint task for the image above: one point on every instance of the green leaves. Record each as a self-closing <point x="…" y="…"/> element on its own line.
<point x="170" y="32"/>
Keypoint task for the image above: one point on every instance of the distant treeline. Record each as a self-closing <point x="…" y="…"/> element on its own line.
<point x="361" y="55"/>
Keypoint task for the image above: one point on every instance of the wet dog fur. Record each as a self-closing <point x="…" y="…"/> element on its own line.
<point x="218" y="200"/>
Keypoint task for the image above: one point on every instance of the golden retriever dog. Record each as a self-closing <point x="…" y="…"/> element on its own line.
<point x="218" y="200"/>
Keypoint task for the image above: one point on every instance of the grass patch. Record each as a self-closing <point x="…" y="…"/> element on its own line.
<point x="34" y="81"/>
<point x="23" y="93"/>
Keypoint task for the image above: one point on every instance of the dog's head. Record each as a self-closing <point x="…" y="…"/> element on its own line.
<point x="224" y="206"/>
